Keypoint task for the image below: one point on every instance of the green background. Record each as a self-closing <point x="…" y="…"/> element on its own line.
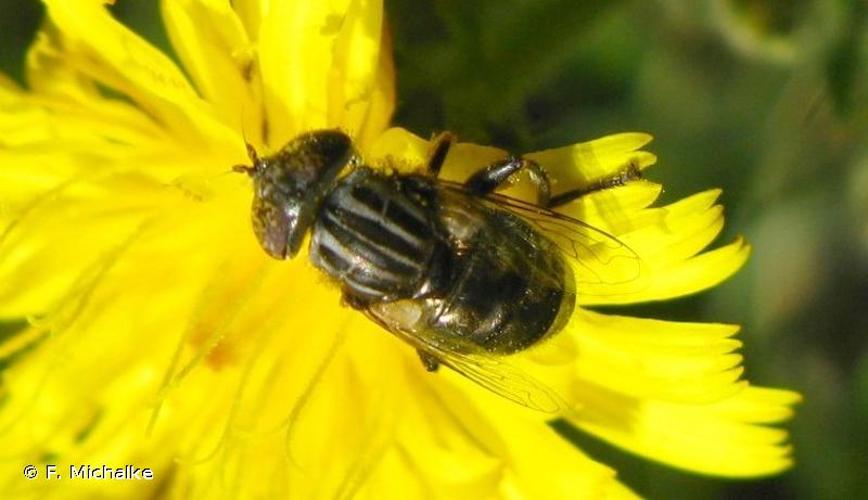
<point x="766" y="99"/>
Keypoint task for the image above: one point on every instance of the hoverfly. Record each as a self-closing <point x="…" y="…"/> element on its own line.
<point x="465" y="275"/>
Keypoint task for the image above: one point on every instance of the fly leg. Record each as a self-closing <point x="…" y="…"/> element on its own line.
<point x="630" y="173"/>
<point x="488" y="179"/>
<point x="428" y="361"/>
<point x="440" y="148"/>
<point x="493" y="176"/>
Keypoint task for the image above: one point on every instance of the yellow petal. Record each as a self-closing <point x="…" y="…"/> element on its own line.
<point x="618" y="210"/>
<point x="720" y="438"/>
<point x="358" y="71"/>
<point x="382" y="98"/>
<point x="109" y="53"/>
<point x="320" y="65"/>
<point x="698" y="273"/>
<point x="67" y="115"/>
<point x="400" y="149"/>
<point x="38" y="271"/>
<point x="644" y="358"/>
<point x="667" y="247"/>
<point x="217" y="53"/>
<point x="507" y="432"/>
<point x="251" y="13"/>
<point x="580" y="164"/>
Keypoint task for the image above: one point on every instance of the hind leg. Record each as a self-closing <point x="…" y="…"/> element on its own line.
<point x="490" y="178"/>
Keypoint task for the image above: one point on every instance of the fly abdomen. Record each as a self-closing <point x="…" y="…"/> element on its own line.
<point x="509" y="288"/>
<point x="378" y="241"/>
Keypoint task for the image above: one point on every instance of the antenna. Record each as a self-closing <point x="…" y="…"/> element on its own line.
<point x="251" y="153"/>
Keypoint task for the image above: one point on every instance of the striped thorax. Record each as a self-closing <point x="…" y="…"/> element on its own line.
<point x="378" y="236"/>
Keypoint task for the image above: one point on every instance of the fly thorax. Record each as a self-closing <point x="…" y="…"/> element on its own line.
<point x="375" y="238"/>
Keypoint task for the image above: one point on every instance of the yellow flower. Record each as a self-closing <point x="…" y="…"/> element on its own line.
<point x="159" y="334"/>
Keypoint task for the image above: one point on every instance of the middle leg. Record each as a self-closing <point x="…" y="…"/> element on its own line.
<point x="440" y="148"/>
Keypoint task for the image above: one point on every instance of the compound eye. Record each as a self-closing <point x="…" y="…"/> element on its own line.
<point x="317" y="156"/>
<point x="271" y="224"/>
<point x="332" y="143"/>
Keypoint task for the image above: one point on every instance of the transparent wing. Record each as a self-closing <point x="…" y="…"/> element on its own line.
<point x="494" y="373"/>
<point x="601" y="263"/>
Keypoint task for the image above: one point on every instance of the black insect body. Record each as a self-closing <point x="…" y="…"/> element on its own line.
<point x="461" y="274"/>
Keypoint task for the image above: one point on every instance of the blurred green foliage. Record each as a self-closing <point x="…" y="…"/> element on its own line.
<point x="766" y="99"/>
